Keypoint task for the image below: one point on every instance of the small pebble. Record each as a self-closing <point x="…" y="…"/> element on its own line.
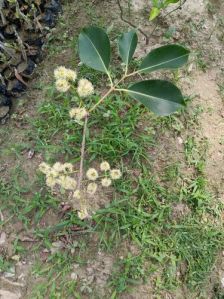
<point x="222" y="282"/>
<point x="74" y="276"/>
<point x="180" y="140"/>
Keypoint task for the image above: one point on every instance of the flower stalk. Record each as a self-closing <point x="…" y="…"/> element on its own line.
<point x="82" y="153"/>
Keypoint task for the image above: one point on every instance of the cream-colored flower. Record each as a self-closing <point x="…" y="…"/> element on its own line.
<point x="85" y="88"/>
<point x="67" y="182"/>
<point x="92" y="174"/>
<point x="61" y="180"/>
<point x="58" y="167"/>
<point x="71" y="75"/>
<point x="51" y="182"/>
<point x="83" y="214"/>
<point x="60" y="72"/>
<point x="91" y="188"/>
<point x="53" y="173"/>
<point x="67" y="168"/>
<point x="62" y="85"/>
<point x="104" y="166"/>
<point x="115" y="174"/>
<point x="106" y="182"/>
<point x="44" y="168"/>
<point x="77" y="194"/>
<point x="78" y="113"/>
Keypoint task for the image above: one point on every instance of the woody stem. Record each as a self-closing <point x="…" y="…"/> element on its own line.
<point x="82" y="153"/>
<point x="103" y="97"/>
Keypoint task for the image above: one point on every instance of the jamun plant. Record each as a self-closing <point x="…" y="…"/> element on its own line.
<point x="161" y="97"/>
<point x="159" y="5"/>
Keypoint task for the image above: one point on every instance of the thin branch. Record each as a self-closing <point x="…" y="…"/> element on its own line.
<point x="101" y="100"/>
<point x="131" y="24"/>
<point x="155" y="27"/>
<point x="82" y="153"/>
<point x="20" y="42"/>
<point x="1" y="216"/>
<point x="166" y="15"/>
<point x="17" y="284"/>
<point x="109" y="76"/>
<point x="113" y="88"/>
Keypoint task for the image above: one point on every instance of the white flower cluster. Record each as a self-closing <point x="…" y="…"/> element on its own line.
<point x="58" y="175"/>
<point x="62" y="72"/>
<point x="93" y="175"/>
<point x="85" y="88"/>
<point x="106" y="181"/>
<point x="78" y="113"/>
<point x="64" y="77"/>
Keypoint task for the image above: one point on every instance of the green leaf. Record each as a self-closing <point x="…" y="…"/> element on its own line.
<point x="94" y="48"/>
<point x="154" y="12"/>
<point x="127" y="45"/>
<point x="161" y="97"/>
<point x="167" y="2"/>
<point x="165" y="57"/>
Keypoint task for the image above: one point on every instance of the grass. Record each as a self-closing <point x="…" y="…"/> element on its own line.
<point x="141" y="211"/>
<point x="172" y="251"/>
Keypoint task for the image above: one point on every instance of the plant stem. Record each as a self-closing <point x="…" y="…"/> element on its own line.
<point x="113" y="88"/>
<point x="131" y="24"/>
<point x="109" y="76"/>
<point x="120" y="89"/>
<point x="82" y="153"/>
<point x="131" y="74"/>
<point x="103" y="97"/>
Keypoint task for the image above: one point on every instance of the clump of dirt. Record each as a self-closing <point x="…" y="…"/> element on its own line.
<point x="95" y="274"/>
<point x="9" y="295"/>
<point x="179" y="211"/>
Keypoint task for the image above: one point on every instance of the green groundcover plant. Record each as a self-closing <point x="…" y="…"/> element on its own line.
<point x="159" y="5"/>
<point x="160" y="96"/>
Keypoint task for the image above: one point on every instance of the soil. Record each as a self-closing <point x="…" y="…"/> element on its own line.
<point x="196" y="26"/>
<point x="212" y="127"/>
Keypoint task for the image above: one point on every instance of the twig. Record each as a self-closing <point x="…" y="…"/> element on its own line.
<point x="20" y="42"/>
<point x="19" y="77"/>
<point x="1" y="216"/>
<point x="166" y="15"/>
<point x="178" y="7"/>
<point x="2" y="16"/>
<point x="84" y="137"/>
<point x="103" y="97"/>
<point x="82" y="153"/>
<point x="131" y="24"/>
<point x="17" y="284"/>
<point x="213" y="30"/>
<point x="155" y="27"/>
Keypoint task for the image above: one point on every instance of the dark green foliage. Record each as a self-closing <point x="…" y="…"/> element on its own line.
<point x="163" y="98"/>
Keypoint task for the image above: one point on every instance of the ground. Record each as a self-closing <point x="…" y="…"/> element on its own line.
<point x="159" y="232"/>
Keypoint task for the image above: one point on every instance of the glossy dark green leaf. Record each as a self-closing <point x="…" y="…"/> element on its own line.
<point x="161" y="97"/>
<point x="127" y="45"/>
<point x="94" y="48"/>
<point x="165" y="57"/>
